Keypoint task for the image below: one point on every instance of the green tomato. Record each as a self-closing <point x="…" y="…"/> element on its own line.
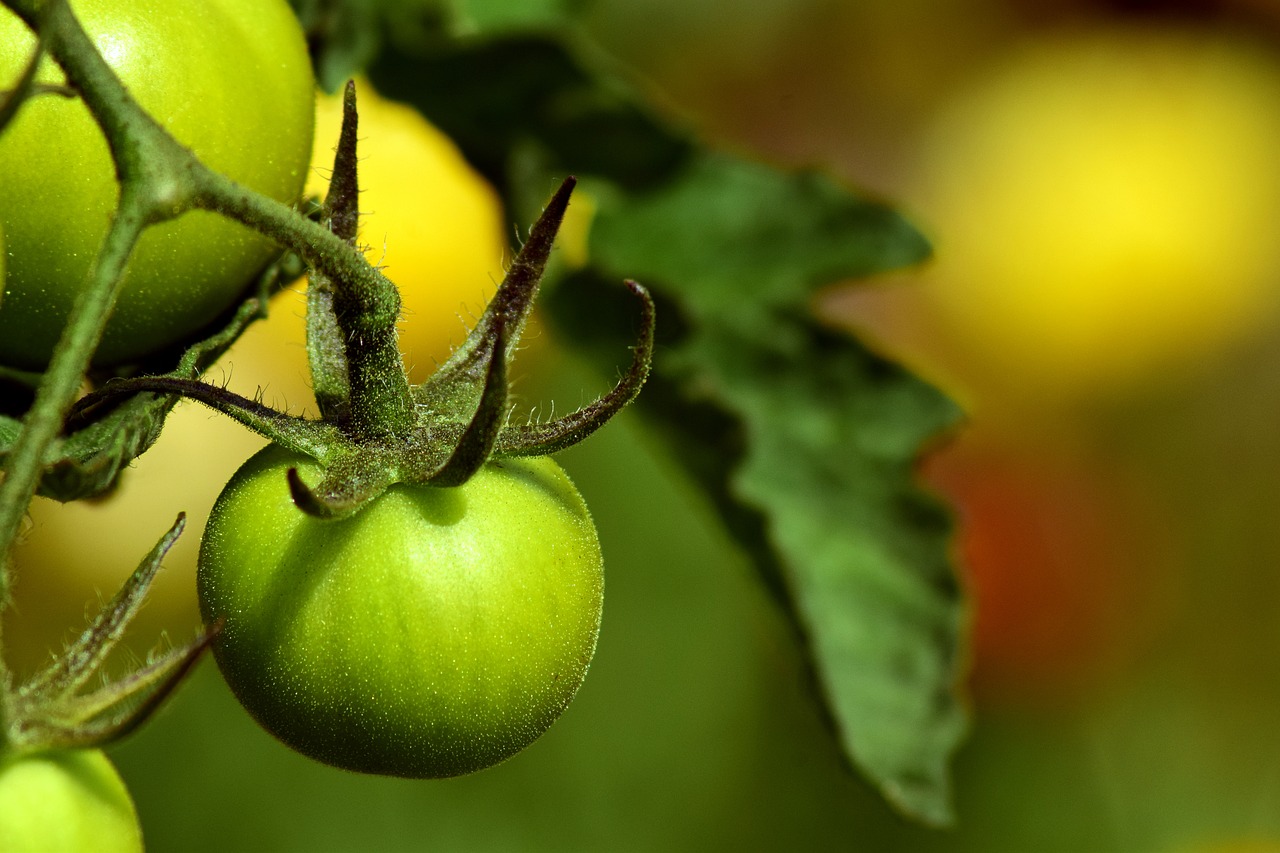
<point x="228" y="78"/>
<point x="436" y="632"/>
<point x="65" y="801"/>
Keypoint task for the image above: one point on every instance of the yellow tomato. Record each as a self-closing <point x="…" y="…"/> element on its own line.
<point x="1106" y="208"/>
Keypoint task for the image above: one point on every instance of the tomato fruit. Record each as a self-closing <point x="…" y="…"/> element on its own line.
<point x="230" y="79"/>
<point x="1104" y="204"/>
<point x="436" y="632"/>
<point x="1067" y="565"/>
<point x="65" y="801"/>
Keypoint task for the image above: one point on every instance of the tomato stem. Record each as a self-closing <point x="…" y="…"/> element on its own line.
<point x="62" y="379"/>
<point x="143" y="153"/>
<point x="365" y="310"/>
<point x="375" y="430"/>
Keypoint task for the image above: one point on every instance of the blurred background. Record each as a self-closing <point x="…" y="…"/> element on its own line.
<point x="1101" y="181"/>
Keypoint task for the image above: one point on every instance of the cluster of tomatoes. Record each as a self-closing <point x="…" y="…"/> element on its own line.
<point x="436" y="632"/>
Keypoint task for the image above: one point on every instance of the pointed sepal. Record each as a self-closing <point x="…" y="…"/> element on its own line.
<point x="54" y="710"/>
<point x="453" y="385"/>
<point x="539" y="439"/>
<point x="348" y="485"/>
<point x="477" y="442"/>
<point x="326" y="345"/>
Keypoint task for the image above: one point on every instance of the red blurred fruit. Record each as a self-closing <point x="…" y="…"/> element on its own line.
<point x="1058" y="558"/>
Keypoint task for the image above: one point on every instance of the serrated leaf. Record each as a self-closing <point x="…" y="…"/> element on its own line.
<point x="725" y="229"/>
<point x="831" y="435"/>
<point x="818" y="439"/>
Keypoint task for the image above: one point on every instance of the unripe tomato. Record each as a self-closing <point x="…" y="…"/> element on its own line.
<point x="231" y="79"/>
<point x="422" y="196"/>
<point x="436" y="632"/>
<point x="65" y="802"/>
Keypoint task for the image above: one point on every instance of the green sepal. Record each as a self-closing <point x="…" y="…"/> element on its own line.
<point x="71" y="704"/>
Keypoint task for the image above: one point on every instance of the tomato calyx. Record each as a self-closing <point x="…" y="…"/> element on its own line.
<point x="71" y="705"/>
<point x="374" y="429"/>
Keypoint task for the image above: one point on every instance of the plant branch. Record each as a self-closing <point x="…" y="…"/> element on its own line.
<point x="296" y="433"/>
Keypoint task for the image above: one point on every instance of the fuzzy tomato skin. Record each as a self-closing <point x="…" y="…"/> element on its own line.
<point x="436" y="632"/>
<point x="65" y="801"/>
<point x="231" y="80"/>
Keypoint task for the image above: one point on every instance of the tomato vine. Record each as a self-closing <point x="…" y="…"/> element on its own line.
<point x="374" y="431"/>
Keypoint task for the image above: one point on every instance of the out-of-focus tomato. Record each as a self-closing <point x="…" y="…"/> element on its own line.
<point x="1060" y="561"/>
<point x="65" y="801"/>
<point x="1104" y="206"/>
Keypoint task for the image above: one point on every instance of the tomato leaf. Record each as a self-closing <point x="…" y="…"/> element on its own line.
<point x="805" y="440"/>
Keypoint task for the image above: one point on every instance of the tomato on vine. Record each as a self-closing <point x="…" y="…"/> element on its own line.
<point x="230" y="79"/>
<point x="405" y="585"/>
<point x="436" y="632"/>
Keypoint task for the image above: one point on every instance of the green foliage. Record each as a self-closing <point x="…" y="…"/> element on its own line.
<point x="813" y="440"/>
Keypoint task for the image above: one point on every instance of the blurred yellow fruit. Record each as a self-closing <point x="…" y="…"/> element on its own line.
<point x="428" y="218"/>
<point x="1106" y="209"/>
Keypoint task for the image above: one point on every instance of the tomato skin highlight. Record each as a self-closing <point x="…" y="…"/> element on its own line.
<point x="65" y="801"/>
<point x="436" y="632"/>
<point x="231" y="80"/>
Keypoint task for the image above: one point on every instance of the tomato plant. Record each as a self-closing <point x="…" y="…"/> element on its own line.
<point x="65" y="800"/>
<point x="441" y="255"/>
<point x="435" y="633"/>
<point x="228" y="78"/>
